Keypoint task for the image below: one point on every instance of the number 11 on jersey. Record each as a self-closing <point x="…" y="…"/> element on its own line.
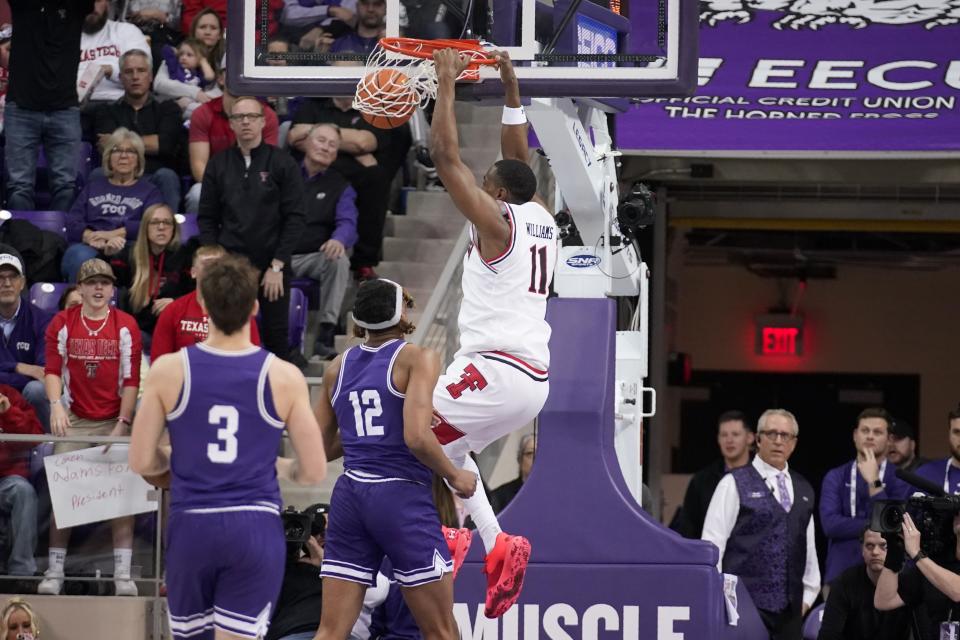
<point x="538" y="270"/>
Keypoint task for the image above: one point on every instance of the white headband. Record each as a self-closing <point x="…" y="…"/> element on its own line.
<point x="386" y="324"/>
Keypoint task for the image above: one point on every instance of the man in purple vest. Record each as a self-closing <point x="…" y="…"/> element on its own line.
<point x="850" y="491"/>
<point x="761" y="519"/>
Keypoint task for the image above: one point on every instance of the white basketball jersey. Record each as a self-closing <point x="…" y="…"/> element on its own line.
<point x="505" y="299"/>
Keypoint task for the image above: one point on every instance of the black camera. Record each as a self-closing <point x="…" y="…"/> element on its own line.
<point x="933" y="516"/>
<point x="636" y="210"/>
<point x="299" y="526"/>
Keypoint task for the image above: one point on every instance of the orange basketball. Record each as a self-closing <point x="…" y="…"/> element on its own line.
<point x="387" y="87"/>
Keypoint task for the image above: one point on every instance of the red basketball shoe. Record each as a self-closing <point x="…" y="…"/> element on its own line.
<point x="459" y="542"/>
<point x="505" y="567"/>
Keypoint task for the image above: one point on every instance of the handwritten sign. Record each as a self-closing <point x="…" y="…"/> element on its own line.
<point x="92" y="485"/>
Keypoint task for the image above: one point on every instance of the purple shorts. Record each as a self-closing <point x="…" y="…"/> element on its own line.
<point x="373" y="519"/>
<point x="224" y="571"/>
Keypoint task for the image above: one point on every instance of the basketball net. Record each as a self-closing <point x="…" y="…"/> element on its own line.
<point x="417" y="75"/>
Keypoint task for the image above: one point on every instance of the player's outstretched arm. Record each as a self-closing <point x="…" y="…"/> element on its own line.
<point x="325" y="415"/>
<point x="290" y="388"/>
<point x="424" y="367"/>
<point x="163" y="382"/>
<point x="475" y="204"/>
<point x="513" y="137"/>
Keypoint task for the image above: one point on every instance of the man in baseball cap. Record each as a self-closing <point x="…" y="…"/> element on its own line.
<point x="902" y="450"/>
<point x="22" y="355"/>
<point x="93" y="268"/>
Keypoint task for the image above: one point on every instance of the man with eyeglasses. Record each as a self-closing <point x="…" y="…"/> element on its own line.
<point x="761" y="520"/>
<point x="211" y="133"/>
<point x="849" y="491"/>
<point x="22" y="357"/>
<point x="251" y="204"/>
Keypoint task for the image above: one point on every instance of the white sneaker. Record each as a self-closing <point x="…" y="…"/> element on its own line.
<point x="52" y="583"/>
<point x="125" y="587"/>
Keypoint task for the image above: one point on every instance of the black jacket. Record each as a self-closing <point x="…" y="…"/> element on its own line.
<point x="45" y="53"/>
<point x="321" y="195"/>
<point x="256" y="211"/>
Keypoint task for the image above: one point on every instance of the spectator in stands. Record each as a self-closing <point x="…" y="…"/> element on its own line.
<point x="70" y="298"/>
<point x="184" y="322"/>
<point x="18" y="500"/>
<point x="103" y="207"/>
<point x="101" y="45"/>
<point x="158" y="124"/>
<point x="359" y="162"/>
<point x="252" y="204"/>
<point x="19" y="621"/>
<point x="769" y="543"/>
<point x="849" y="613"/>
<point x="92" y="378"/>
<point x="331" y="230"/>
<point x="850" y="491"/>
<point x="902" y="451"/>
<point x="505" y="493"/>
<point x="736" y="439"/>
<point x="207" y="27"/>
<point x="22" y="355"/>
<point x="211" y="133"/>
<point x="154" y="270"/>
<point x="148" y="15"/>
<point x="41" y="106"/>
<point x="195" y="9"/>
<point x="306" y="20"/>
<point x="371" y="26"/>
<point x="186" y="76"/>
<point x="946" y="472"/>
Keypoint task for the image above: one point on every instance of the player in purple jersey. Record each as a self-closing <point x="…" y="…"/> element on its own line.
<point x="225" y="403"/>
<point x="376" y="412"/>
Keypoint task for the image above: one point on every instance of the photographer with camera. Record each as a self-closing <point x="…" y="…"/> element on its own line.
<point x="933" y="584"/>
<point x="849" y="613"/>
<point x="297" y="614"/>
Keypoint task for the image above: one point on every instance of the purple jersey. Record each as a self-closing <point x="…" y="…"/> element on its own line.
<point x="225" y="432"/>
<point x="370" y="416"/>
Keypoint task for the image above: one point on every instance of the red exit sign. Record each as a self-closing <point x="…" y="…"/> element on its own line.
<point x="779" y="335"/>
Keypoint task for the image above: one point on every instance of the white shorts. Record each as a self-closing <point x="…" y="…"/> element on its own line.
<point x="484" y="396"/>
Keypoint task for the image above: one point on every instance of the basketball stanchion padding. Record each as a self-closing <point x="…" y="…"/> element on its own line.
<point x="400" y="76"/>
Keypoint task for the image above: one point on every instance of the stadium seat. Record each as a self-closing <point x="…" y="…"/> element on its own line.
<point x="298" y="319"/>
<point x="310" y="288"/>
<point x="133" y="228"/>
<point x="46" y="295"/>
<point x="811" y="626"/>
<point x="189" y="227"/>
<point x="53" y="221"/>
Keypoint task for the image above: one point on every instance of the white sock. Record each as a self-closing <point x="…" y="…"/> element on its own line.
<point x="57" y="555"/>
<point x="478" y="506"/>
<point x="122" y="559"/>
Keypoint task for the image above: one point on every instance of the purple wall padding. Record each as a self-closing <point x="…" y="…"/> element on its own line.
<point x="600" y="566"/>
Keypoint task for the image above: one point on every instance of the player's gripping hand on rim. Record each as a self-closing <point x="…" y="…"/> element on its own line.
<point x="450" y="63"/>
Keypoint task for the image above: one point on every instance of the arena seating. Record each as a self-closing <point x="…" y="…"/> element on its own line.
<point x="46" y="295"/>
<point x="54" y="221"/>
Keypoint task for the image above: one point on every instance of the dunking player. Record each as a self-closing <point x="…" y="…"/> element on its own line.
<point x="376" y="412"/>
<point x="498" y="381"/>
<point x="225" y="402"/>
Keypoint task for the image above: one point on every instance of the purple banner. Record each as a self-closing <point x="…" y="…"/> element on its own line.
<point x="812" y="75"/>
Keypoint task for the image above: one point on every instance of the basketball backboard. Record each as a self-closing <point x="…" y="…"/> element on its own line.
<point x="572" y="48"/>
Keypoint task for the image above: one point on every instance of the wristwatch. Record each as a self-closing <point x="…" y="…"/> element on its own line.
<point x="276" y="268"/>
<point x="920" y="556"/>
<point x="877" y="484"/>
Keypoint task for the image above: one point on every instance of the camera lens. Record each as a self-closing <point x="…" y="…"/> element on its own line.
<point x="892" y="518"/>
